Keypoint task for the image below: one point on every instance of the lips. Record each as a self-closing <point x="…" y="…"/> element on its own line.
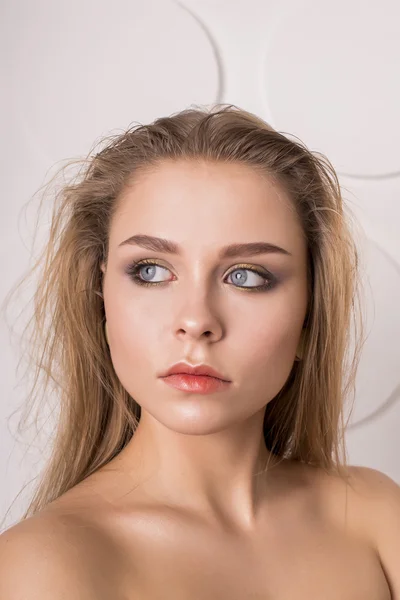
<point x="196" y="384"/>
<point x="185" y="368"/>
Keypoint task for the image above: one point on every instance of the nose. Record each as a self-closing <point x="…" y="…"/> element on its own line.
<point x="198" y="319"/>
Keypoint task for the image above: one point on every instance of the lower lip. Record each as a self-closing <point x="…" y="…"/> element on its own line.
<point x="200" y="384"/>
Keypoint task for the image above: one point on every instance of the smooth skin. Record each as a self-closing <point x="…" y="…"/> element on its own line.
<point x="185" y="510"/>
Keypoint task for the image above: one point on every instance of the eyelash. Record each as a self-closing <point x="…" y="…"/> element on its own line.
<point x="133" y="269"/>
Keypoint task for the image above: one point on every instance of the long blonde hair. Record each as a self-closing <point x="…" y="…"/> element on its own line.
<point x="97" y="416"/>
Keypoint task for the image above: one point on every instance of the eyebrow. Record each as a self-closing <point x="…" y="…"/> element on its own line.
<point x="158" y="244"/>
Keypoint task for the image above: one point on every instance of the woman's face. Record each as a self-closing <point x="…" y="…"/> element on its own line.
<point x="198" y="306"/>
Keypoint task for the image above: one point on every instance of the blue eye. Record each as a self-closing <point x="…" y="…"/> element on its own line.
<point x="149" y="268"/>
<point x="242" y="278"/>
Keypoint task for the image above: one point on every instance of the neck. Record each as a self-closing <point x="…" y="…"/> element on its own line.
<point x="222" y="476"/>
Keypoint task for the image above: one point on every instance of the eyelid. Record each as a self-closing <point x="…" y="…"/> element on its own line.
<point x="257" y="269"/>
<point x="250" y="266"/>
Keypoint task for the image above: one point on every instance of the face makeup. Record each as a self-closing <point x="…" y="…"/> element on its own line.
<point x="199" y="384"/>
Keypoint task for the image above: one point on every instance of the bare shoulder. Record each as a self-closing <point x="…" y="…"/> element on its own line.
<point x="378" y="497"/>
<point x="37" y="561"/>
<point x="48" y="557"/>
<point x="372" y="511"/>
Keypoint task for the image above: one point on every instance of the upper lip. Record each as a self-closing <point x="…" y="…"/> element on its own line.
<point x="182" y="367"/>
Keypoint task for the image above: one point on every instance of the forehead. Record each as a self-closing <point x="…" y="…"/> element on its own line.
<point x="209" y="203"/>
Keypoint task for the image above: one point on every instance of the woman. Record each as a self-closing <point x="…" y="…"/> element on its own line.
<point x="201" y="278"/>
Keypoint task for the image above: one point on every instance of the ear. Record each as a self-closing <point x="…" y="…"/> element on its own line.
<point x="102" y="267"/>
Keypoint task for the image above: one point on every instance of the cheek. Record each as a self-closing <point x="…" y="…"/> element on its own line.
<point x="274" y="326"/>
<point x="134" y="339"/>
<point x="269" y="352"/>
<point x="272" y="344"/>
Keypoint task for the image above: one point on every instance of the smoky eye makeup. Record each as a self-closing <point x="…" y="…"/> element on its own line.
<point x="244" y="283"/>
